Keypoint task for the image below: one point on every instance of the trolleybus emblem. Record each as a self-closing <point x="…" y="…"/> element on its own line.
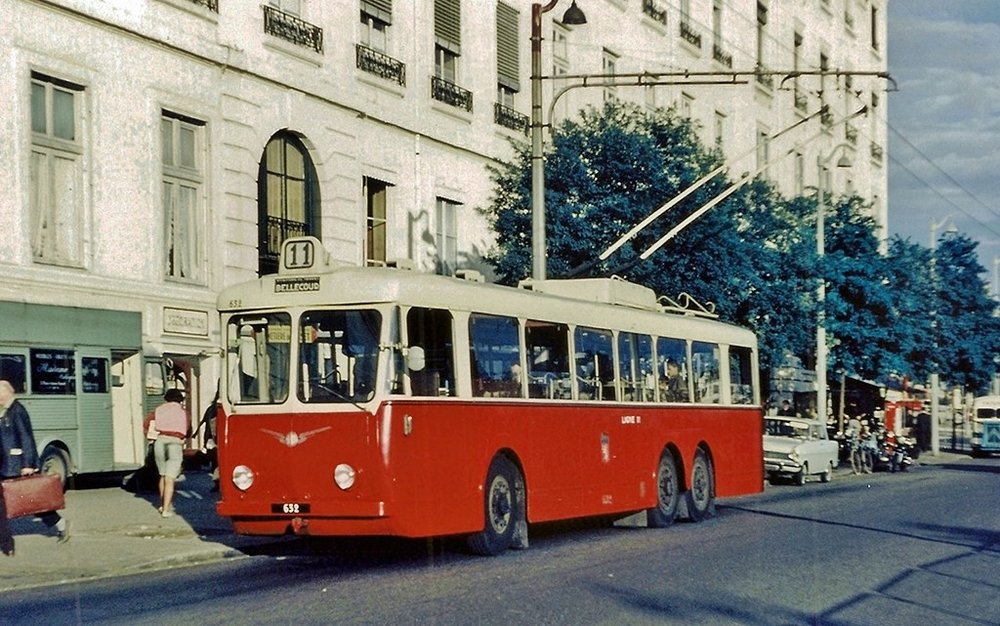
<point x="292" y="438"/>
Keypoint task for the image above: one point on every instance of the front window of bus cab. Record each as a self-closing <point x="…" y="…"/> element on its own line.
<point x="338" y="355"/>
<point x="257" y="358"/>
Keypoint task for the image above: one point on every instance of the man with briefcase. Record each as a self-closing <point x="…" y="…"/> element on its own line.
<point x="19" y="458"/>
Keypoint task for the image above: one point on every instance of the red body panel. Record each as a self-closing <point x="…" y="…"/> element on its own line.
<point x="578" y="459"/>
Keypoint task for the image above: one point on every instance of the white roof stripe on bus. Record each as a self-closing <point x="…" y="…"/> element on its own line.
<point x="359" y="286"/>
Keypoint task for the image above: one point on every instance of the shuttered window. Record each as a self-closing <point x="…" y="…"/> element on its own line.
<point x="448" y="25"/>
<point x="507" y="47"/>
<point x="379" y="9"/>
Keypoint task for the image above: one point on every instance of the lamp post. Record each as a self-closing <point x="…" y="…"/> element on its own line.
<point x="821" y="351"/>
<point x="935" y="382"/>
<point x="573" y="16"/>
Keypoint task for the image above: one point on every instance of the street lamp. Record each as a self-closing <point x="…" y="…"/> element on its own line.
<point x="573" y="16"/>
<point x="935" y="383"/>
<point x="843" y="161"/>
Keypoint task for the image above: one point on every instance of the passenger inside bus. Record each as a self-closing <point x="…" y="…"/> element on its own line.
<point x="431" y="329"/>
<point x="673" y="387"/>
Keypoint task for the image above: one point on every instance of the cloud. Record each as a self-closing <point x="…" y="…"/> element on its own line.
<point x="943" y="56"/>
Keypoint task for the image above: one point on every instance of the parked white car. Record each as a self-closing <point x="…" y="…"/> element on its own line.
<point x="798" y="448"/>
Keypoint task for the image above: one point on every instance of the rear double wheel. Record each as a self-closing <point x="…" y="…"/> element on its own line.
<point x="701" y="494"/>
<point x="667" y="493"/>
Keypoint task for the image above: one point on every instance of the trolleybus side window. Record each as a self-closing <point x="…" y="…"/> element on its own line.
<point x="594" y="359"/>
<point x="635" y="367"/>
<point x="495" y="355"/>
<point x="431" y="329"/>
<point x="672" y="369"/>
<point x="338" y="355"/>
<point x="547" y="349"/>
<point x="705" y="361"/>
<point x="13" y="369"/>
<point x="740" y="380"/>
<point x="258" y="358"/>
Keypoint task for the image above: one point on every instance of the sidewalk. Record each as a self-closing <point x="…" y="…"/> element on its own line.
<point x="114" y="532"/>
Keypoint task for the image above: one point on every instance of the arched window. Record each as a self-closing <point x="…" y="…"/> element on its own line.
<point x="287" y="198"/>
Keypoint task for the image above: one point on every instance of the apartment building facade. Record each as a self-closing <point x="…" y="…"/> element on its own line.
<point x="160" y="150"/>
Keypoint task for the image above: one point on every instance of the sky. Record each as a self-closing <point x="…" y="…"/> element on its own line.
<point x="944" y="122"/>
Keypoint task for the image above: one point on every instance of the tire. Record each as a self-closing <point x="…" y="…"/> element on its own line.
<point x="701" y="495"/>
<point x="55" y="461"/>
<point x="503" y="508"/>
<point x="827" y="476"/>
<point x="800" y="478"/>
<point x="667" y="493"/>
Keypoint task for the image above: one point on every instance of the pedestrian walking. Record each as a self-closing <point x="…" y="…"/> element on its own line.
<point x="853" y="435"/>
<point x="19" y="457"/>
<point x="172" y="426"/>
<point x="6" y="537"/>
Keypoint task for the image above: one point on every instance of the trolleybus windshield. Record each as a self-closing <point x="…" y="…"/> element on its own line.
<point x="337" y="356"/>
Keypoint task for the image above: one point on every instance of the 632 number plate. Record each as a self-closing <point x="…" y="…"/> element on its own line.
<point x="290" y="508"/>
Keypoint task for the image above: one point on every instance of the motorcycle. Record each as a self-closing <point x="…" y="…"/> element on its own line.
<point x="892" y="453"/>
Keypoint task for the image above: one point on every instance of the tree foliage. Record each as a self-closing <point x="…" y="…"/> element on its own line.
<point x="753" y="255"/>
<point x="967" y="332"/>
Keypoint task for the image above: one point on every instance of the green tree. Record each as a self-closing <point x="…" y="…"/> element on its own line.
<point x="752" y="255"/>
<point x="967" y="328"/>
<point x="860" y="311"/>
<point x="911" y="285"/>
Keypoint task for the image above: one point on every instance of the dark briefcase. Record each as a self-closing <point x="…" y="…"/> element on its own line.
<point x="30" y="495"/>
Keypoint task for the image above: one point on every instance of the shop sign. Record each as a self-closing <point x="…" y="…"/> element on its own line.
<point x="185" y="322"/>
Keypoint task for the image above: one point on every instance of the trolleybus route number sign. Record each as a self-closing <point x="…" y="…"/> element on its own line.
<point x="298" y="255"/>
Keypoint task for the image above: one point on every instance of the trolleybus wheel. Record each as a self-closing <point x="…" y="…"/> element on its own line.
<point x="701" y="495"/>
<point x="502" y="509"/>
<point x="55" y="462"/>
<point x="667" y="493"/>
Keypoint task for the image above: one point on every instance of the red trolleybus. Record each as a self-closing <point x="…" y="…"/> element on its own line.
<point x="382" y="401"/>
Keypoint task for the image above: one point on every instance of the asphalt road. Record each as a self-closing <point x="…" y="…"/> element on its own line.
<point x="922" y="547"/>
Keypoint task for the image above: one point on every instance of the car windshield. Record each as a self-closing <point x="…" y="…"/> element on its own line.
<point x="786" y="428"/>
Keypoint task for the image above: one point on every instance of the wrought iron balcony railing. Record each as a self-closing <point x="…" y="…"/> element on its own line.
<point x="876" y="152"/>
<point x="689" y="35"/>
<point x="650" y="8"/>
<point x="722" y="56"/>
<point x="278" y="230"/>
<point x="450" y="93"/>
<point x="382" y="65"/>
<point x="801" y="100"/>
<point x="851" y="134"/>
<point x="211" y="5"/>
<point x="764" y="78"/>
<point x="293" y="29"/>
<point x="506" y="116"/>
<point x="826" y="117"/>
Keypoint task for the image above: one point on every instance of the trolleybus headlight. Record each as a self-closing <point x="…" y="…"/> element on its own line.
<point x="343" y="475"/>
<point x="242" y="477"/>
